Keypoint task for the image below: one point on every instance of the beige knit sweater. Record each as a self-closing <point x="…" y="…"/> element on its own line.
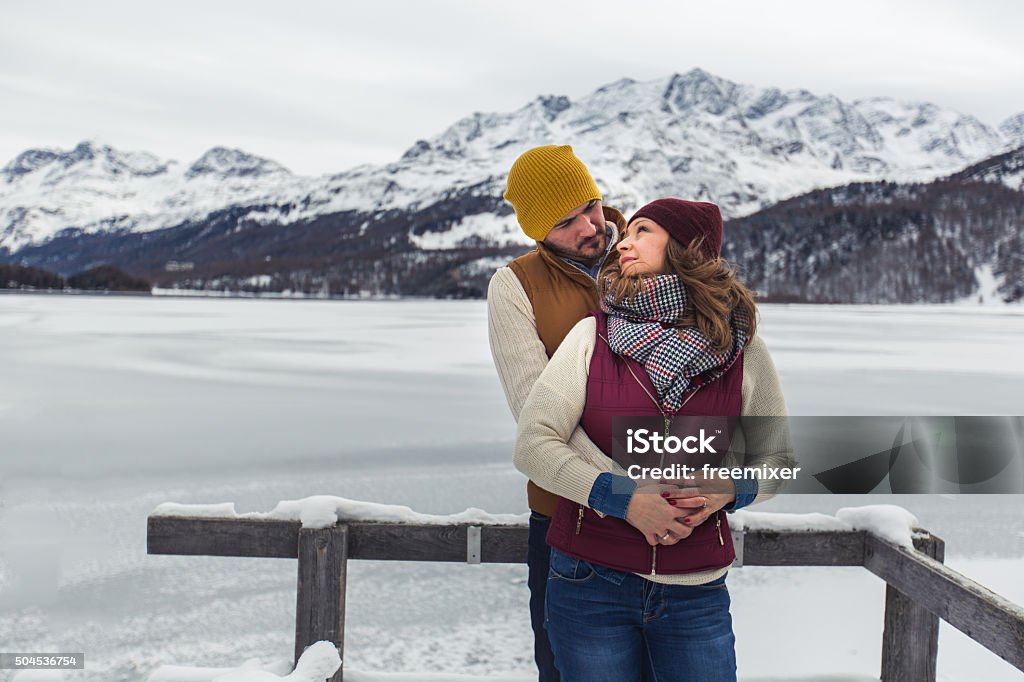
<point x="518" y="352"/>
<point x="548" y="400"/>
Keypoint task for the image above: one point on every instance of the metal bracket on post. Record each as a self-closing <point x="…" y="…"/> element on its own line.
<point x="473" y="545"/>
<point x="737" y="543"/>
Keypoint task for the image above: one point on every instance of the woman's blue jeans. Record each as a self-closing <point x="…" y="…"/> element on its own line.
<point x="609" y="626"/>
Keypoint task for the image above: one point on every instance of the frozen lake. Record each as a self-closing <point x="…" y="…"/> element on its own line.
<point x="110" y="406"/>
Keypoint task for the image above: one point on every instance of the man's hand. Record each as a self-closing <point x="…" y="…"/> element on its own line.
<point x="651" y="513"/>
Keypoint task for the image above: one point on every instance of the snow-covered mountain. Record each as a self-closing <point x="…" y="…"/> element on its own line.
<point x="1007" y="169"/>
<point x="1013" y="128"/>
<point x="693" y="135"/>
<point x="96" y="188"/>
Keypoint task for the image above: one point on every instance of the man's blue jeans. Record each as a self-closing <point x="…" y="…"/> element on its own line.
<point x="609" y="626"/>
<point x="537" y="556"/>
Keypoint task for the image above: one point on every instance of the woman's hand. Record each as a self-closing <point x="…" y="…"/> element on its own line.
<point x="651" y="513"/>
<point x="699" y="501"/>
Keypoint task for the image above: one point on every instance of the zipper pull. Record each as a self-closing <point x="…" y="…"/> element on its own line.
<point x="654" y="559"/>
<point x="579" y="520"/>
<point x="718" y="524"/>
<point x="668" y="431"/>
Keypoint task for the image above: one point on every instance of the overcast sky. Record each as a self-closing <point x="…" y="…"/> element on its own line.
<point x="322" y="86"/>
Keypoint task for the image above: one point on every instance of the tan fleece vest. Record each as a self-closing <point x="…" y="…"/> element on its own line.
<point x="561" y="296"/>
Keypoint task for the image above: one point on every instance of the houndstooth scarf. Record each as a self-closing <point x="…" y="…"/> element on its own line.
<point x="678" y="361"/>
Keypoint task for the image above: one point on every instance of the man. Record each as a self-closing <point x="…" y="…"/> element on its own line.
<point x="533" y="303"/>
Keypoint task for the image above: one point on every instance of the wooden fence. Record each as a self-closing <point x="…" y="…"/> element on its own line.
<point x="920" y="589"/>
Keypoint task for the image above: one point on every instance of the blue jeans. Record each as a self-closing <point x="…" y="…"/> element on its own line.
<point x="610" y="626"/>
<point x="537" y="556"/>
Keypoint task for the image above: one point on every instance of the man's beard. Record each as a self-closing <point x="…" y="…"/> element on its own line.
<point x="587" y="250"/>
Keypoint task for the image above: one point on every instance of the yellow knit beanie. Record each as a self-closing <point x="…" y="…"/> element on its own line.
<point x="544" y="184"/>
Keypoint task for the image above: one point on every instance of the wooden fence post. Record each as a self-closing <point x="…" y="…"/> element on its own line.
<point x="910" y="639"/>
<point x="320" y="607"/>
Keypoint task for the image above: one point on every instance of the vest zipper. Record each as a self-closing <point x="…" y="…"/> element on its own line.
<point x="579" y="520"/>
<point x="718" y="524"/>
<point x="668" y="432"/>
<point x="668" y="425"/>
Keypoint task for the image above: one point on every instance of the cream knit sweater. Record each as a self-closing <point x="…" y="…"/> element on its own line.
<point x="519" y="354"/>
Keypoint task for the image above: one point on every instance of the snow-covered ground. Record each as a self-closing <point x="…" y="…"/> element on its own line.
<point x="111" y="406"/>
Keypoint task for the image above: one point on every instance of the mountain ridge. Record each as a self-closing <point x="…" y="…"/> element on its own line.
<point x="433" y="221"/>
<point x="692" y="134"/>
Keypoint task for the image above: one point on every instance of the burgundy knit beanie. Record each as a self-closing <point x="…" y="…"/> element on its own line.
<point x="687" y="221"/>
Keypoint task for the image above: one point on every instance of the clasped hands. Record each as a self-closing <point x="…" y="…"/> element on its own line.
<point x="667" y="512"/>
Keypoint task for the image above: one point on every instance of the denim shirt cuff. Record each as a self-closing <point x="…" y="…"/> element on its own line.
<point x="746" y="491"/>
<point x="611" y="494"/>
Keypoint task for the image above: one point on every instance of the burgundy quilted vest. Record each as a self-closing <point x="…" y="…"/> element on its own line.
<point x="614" y="391"/>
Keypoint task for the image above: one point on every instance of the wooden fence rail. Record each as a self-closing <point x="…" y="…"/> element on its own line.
<point x="920" y="589"/>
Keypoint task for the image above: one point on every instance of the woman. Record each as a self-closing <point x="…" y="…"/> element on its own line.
<point x="637" y="580"/>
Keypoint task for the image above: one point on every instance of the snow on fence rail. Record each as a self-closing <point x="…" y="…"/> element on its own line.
<point x="324" y="533"/>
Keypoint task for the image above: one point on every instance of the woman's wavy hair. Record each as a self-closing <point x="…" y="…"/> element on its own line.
<point x="713" y="291"/>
